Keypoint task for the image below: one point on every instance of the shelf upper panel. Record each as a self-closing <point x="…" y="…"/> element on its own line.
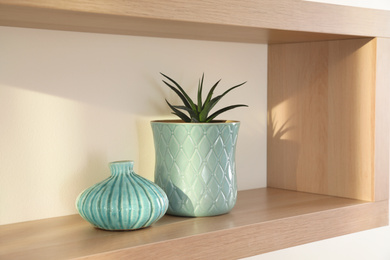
<point x="263" y="220"/>
<point x="258" y="21"/>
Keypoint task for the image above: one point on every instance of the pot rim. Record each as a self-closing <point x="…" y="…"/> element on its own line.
<point x="178" y="121"/>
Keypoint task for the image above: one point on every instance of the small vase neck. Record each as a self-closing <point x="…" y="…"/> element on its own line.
<point x="121" y="167"/>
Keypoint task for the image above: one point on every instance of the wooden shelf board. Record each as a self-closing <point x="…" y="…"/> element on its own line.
<point x="263" y="220"/>
<point x="250" y="21"/>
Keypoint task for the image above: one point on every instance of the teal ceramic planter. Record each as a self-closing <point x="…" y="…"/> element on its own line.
<point x="124" y="201"/>
<point x="195" y="166"/>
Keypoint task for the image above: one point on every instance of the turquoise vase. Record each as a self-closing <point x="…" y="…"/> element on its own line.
<point x="195" y="166"/>
<point x="124" y="201"/>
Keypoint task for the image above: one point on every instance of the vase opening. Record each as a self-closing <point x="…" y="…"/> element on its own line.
<point x="120" y="167"/>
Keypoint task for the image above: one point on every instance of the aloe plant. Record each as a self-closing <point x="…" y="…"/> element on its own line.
<point x="198" y="112"/>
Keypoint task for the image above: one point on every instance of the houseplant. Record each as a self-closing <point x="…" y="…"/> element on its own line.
<point x="195" y="156"/>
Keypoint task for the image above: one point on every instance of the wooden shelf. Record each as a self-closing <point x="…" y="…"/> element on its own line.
<point x="256" y="21"/>
<point x="263" y="220"/>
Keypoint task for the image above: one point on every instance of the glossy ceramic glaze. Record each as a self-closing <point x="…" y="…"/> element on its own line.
<point x="195" y="166"/>
<point x="124" y="201"/>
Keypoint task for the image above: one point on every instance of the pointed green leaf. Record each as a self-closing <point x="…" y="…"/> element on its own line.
<point x="223" y="110"/>
<point x="200" y="89"/>
<point x="178" y="113"/>
<point x="210" y="94"/>
<point x="189" y="100"/>
<point x="227" y="91"/>
<point x="189" y="110"/>
<point x="206" y="105"/>
<point x="183" y="99"/>
<point x="215" y="100"/>
<point x="182" y="117"/>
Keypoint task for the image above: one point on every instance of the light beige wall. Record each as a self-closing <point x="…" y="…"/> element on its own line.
<point x="72" y="102"/>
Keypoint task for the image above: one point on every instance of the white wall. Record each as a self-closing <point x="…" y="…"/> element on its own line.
<point x="72" y="102"/>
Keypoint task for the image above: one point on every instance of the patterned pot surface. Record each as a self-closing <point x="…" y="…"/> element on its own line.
<point x="195" y="166"/>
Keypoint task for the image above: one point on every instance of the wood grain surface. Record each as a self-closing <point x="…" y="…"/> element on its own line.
<point x="321" y="111"/>
<point x="382" y="119"/>
<point x="244" y="21"/>
<point x="263" y="220"/>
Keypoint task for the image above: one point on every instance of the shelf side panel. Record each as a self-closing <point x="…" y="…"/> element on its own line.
<point x="351" y="106"/>
<point x="321" y="109"/>
<point x="382" y="117"/>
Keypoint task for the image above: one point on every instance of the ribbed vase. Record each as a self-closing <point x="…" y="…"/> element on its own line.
<point x="195" y="166"/>
<point x="124" y="201"/>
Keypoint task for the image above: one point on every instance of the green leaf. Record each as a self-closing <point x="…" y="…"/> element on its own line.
<point x="177" y="112"/>
<point x="227" y="91"/>
<point x="185" y="102"/>
<point x="210" y="94"/>
<point x="200" y="88"/>
<point x="215" y="100"/>
<point x="189" y="110"/>
<point x="198" y="112"/>
<point x="223" y="110"/>
<point x="206" y="105"/>
<point x="189" y="100"/>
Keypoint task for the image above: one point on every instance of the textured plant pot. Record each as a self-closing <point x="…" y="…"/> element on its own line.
<point x="195" y="166"/>
<point x="124" y="201"/>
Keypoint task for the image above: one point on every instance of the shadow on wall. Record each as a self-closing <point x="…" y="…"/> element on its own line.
<point x="146" y="152"/>
<point x="107" y="71"/>
<point x="281" y="168"/>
